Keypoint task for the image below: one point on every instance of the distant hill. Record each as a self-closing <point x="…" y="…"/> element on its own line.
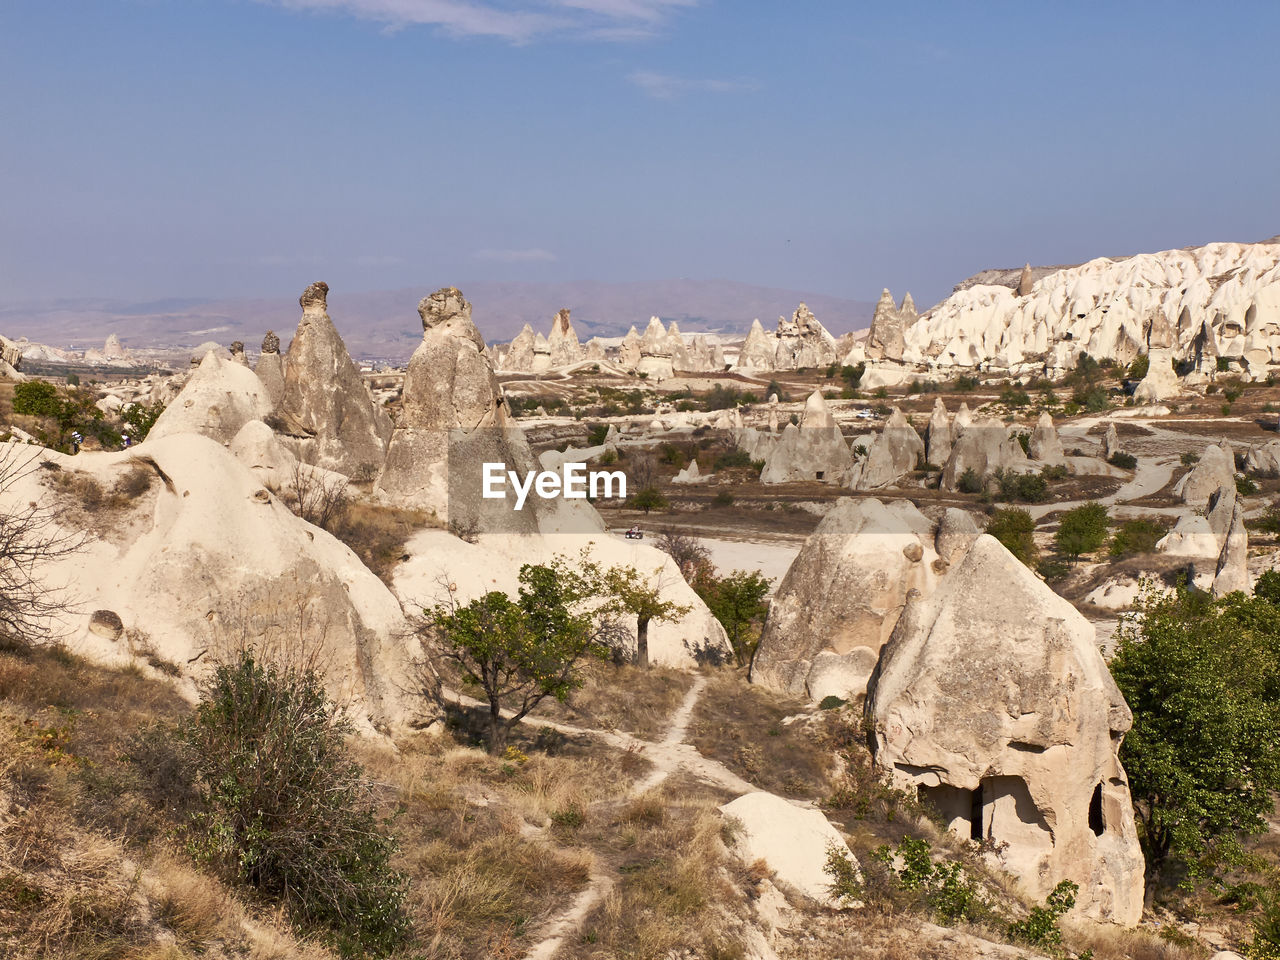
<point x="384" y="324"/>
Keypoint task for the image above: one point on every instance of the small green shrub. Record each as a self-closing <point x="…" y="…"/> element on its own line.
<point x="730" y="459"/>
<point x="1040" y="926"/>
<point x="1246" y="487"/>
<point x="284" y="810"/>
<point x="969" y="481"/>
<point x="723" y="499"/>
<point x="1190" y="459"/>
<point x="1136" y="536"/>
<point x="1125" y="461"/>
<point x="1082" y="530"/>
<point x="1138" y="369"/>
<point x="1015" y="528"/>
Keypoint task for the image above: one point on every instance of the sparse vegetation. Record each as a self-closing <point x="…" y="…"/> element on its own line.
<point x="1081" y="530"/>
<point x="1015" y="528"/>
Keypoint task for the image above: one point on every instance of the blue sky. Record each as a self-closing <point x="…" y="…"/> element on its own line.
<point x="153" y="148"/>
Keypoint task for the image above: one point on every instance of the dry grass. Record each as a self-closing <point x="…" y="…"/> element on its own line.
<point x="675" y="892"/>
<point x="622" y="697"/>
<point x="377" y="534"/>
<point x="750" y="730"/>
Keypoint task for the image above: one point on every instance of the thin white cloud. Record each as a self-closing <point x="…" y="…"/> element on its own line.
<point x="668" y="86"/>
<point x="519" y="21"/>
<point x="531" y="255"/>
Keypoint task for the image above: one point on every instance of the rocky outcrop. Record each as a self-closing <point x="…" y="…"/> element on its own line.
<point x="452" y="420"/>
<point x="1264" y="460"/>
<point x="1025" y="282"/>
<point x="983" y="446"/>
<point x="326" y="397"/>
<point x="220" y="397"/>
<point x="1215" y="469"/>
<point x="270" y="367"/>
<point x="1111" y="442"/>
<point x="814" y="449"/>
<point x="541" y="354"/>
<point x="629" y="350"/>
<point x="562" y="344"/>
<point x="210" y="561"/>
<point x="1045" y="445"/>
<point x="795" y="841"/>
<point x="655" y="352"/>
<point x="1160" y="383"/>
<point x="1222" y="299"/>
<point x="992" y="701"/>
<point x="519" y="355"/>
<point x="842" y="596"/>
<point x="799" y="342"/>
<point x="885" y="341"/>
<point x="938" y="435"/>
<point x="896" y="452"/>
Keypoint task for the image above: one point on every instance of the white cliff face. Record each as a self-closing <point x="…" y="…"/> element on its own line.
<point x="1222" y="299"/>
<point x="799" y="342"/>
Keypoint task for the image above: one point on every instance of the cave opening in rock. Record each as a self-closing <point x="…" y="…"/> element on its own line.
<point x="1096" y="821"/>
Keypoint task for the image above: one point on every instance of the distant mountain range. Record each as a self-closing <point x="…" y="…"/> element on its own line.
<point x="384" y="324"/>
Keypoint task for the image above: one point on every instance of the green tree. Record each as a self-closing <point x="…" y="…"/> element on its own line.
<point x="36" y="398"/>
<point x="1015" y="528"/>
<point x="1082" y="530"/>
<point x="650" y="498"/>
<point x="739" y="602"/>
<point x="633" y="593"/>
<point x="140" y="418"/>
<point x="515" y="652"/>
<point x="1202" y="677"/>
<point x="285" y="810"/>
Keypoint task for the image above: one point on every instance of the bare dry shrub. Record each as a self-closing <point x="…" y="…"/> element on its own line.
<point x="318" y="498"/>
<point x="377" y="534"/>
<point x="134" y="483"/>
<point x="689" y="553"/>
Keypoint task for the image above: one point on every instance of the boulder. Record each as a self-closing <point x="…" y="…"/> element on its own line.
<point x="956" y="532"/>
<point x="220" y="398"/>
<point x="1264" y="460"/>
<point x="843" y="594"/>
<point x="325" y="395"/>
<point x="992" y="701"/>
<point x="1025" y="283"/>
<point x="794" y="840"/>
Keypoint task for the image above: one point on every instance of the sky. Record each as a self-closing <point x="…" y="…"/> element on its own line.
<point x="220" y="148"/>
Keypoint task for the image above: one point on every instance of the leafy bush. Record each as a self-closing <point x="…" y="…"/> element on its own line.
<point x="722" y="499"/>
<point x="1082" y="530"/>
<point x="650" y="498"/>
<point x="140" y="418"/>
<point x="1138" y="369"/>
<point x="1202" y="677"/>
<point x="1015" y="528"/>
<point x="965" y="384"/>
<point x="1245" y="486"/>
<point x="1053" y="569"/>
<point x="1015" y="397"/>
<point x="1190" y="459"/>
<point x="739" y="602"/>
<point x="1023" y="487"/>
<point x="852" y="375"/>
<point x="732" y="458"/>
<point x="283" y="808"/>
<point x="1125" y="461"/>
<point x="36" y="398"/>
<point x="969" y="481"/>
<point x="945" y="889"/>
<point x="1136" y="536"/>
<point x="1094" y="399"/>
<point x="1054" y="472"/>
<point x="596" y="434"/>
<point x="1040" y="926"/>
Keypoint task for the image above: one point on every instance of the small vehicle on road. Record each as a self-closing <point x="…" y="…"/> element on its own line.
<point x="634" y="534"/>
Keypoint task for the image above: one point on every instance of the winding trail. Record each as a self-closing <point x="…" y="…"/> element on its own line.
<point x="668" y="755"/>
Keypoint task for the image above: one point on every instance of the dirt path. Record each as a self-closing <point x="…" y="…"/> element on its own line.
<point x="667" y="755"/>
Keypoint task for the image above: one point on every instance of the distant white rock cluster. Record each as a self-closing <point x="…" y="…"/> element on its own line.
<point x="658" y="354"/>
<point x="799" y="342"/>
<point x="1189" y="306"/>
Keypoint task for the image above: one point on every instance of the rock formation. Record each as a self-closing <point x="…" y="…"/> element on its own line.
<point x="815" y="449"/>
<point x="885" y="340"/>
<point x="1110" y="442"/>
<point x="452" y="420"/>
<point x="563" y="344"/>
<point x="1219" y="300"/>
<point x="992" y="701"/>
<point x="1025" y="283"/>
<point x="938" y="435"/>
<point x="1215" y="469"/>
<point x="1045" y="446"/>
<point x="1160" y="383"/>
<point x="896" y="452"/>
<point x="841" y="598"/>
<point x="519" y="355"/>
<point x="325" y="395"/>
<point x="983" y="446"/>
<point x="799" y="342"/>
<point x="220" y="398"/>
<point x="210" y="560"/>
<point x="270" y="367"/>
<point x="793" y="840"/>
<point x="655" y="352"/>
<point x="629" y="350"/>
<point x="541" y="354"/>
